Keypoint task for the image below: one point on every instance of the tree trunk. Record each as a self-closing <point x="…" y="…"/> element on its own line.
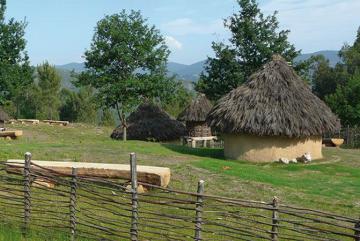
<point x="123" y="121"/>
<point x="124" y="133"/>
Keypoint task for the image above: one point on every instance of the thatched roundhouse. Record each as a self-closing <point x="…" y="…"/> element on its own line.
<point x="150" y="123"/>
<point x="195" y="117"/>
<point x="3" y="117"/>
<point x="273" y="115"/>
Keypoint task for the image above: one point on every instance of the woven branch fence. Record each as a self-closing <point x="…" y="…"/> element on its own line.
<point x="87" y="208"/>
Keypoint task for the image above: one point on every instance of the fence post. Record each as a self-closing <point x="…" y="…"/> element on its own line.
<point x="27" y="193"/>
<point x="134" y="199"/>
<point x="199" y="210"/>
<point x="275" y="217"/>
<point x="357" y="232"/>
<point x="73" y="188"/>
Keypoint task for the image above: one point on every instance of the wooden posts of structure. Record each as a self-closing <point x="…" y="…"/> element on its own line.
<point x="27" y="193"/>
<point x="73" y="188"/>
<point x="208" y="141"/>
<point x="134" y="199"/>
<point x="199" y="210"/>
<point x="275" y="217"/>
<point x="357" y="231"/>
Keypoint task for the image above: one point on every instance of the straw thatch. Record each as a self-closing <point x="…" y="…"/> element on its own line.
<point x="195" y="117"/>
<point x="197" y="110"/>
<point x="275" y="101"/>
<point x="150" y="123"/>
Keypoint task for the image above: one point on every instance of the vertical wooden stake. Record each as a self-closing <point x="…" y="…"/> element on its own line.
<point x="199" y="210"/>
<point x="134" y="198"/>
<point x="27" y="193"/>
<point x="357" y="232"/>
<point x="73" y="190"/>
<point x="193" y="143"/>
<point x="275" y="217"/>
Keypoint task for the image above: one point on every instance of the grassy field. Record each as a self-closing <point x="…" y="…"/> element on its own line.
<point x="331" y="184"/>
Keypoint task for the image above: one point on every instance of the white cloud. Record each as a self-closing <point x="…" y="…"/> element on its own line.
<point x="186" y="26"/>
<point x="317" y="24"/>
<point x="172" y="42"/>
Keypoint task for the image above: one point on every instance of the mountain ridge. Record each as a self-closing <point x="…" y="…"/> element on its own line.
<point x="189" y="73"/>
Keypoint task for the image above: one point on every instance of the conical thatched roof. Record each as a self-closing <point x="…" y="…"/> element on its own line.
<point x="3" y="115"/>
<point x="275" y="101"/>
<point x="149" y="122"/>
<point x="197" y="110"/>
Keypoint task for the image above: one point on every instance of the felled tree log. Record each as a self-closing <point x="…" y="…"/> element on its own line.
<point x="11" y="134"/>
<point x="159" y="176"/>
<point x="24" y="121"/>
<point x="63" y="123"/>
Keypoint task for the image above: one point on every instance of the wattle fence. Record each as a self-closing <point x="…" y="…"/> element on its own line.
<point x="86" y="208"/>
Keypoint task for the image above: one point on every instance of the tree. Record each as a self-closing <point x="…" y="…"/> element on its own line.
<point x="351" y="55"/>
<point x="15" y="70"/>
<point x="255" y="38"/>
<point x="324" y="81"/>
<point x="179" y="100"/>
<point x="87" y="109"/>
<point x="49" y="83"/>
<point x="345" y="102"/>
<point x="78" y="106"/>
<point x="126" y="63"/>
<point x="222" y="73"/>
<point x="107" y="118"/>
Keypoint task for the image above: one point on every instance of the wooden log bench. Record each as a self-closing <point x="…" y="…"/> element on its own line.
<point x="11" y="134"/>
<point x="159" y="176"/>
<point x="54" y="122"/>
<point x="193" y="140"/>
<point x="24" y="121"/>
<point x="333" y="142"/>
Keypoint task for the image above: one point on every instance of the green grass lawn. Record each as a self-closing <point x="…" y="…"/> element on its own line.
<point x="331" y="184"/>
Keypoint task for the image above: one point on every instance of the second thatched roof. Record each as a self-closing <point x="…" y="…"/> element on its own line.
<point x="274" y="102"/>
<point x="150" y="123"/>
<point x="197" y="110"/>
<point x="3" y="115"/>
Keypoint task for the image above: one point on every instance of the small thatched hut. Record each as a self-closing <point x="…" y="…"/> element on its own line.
<point x="150" y="123"/>
<point x="273" y="115"/>
<point x="3" y="117"/>
<point x="195" y="117"/>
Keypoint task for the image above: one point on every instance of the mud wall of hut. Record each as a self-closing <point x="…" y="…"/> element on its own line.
<point x="270" y="148"/>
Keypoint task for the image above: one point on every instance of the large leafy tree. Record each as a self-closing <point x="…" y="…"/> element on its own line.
<point x="255" y="38"/>
<point x="15" y="70"/>
<point x="126" y="63"/>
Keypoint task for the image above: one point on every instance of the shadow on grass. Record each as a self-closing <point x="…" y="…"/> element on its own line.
<point x="201" y="152"/>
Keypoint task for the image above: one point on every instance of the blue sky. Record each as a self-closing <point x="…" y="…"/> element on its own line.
<point x="60" y="30"/>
